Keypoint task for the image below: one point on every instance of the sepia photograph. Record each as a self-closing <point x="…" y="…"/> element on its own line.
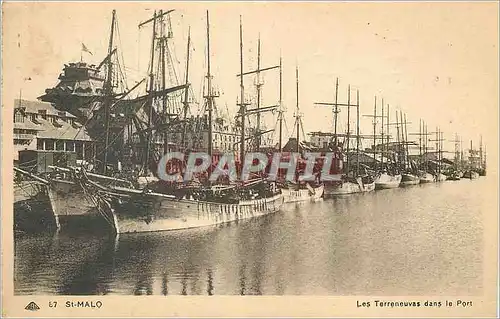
<point x="249" y="159"/>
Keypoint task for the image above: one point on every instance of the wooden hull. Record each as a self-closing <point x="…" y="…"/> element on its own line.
<point x="409" y="179"/>
<point x="73" y="208"/>
<point x="426" y="178"/>
<point x="385" y="181"/>
<point x="159" y="212"/>
<point x="369" y="187"/>
<point x="471" y="175"/>
<point x="302" y="195"/>
<point x="440" y="178"/>
<point x="455" y="176"/>
<point x="27" y="190"/>
<point x="347" y="188"/>
<point x="32" y="213"/>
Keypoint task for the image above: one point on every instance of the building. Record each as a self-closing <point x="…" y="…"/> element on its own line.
<point x="225" y="136"/>
<point x="321" y="139"/>
<point x="39" y="126"/>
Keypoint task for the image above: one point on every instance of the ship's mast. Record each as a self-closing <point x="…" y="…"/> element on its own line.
<point x="357" y="133"/>
<point x="398" y="140"/>
<point x="209" y="89"/>
<point x="108" y="92"/>
<point x="425" y="148"/>
<point x="407" y="152"/>
<point x="163" y="40"/>
<point x="387" y="135"/>
<point x="481" y="151"/>
<point x="335" y="111"/>
<point x="186" y="92"/>
<point x="375" y="134"/>
<point x="280" y="112"/>
<point x="420" y="143"/>
<point x="382" y="134"/>
<point x="242" y="99"/>
<point x="403" y="138"/>
<point x="297" y="116"/>
<point x="348" y="125"/>
<point x="151" y="92"/>
<point x="259" y="87"/>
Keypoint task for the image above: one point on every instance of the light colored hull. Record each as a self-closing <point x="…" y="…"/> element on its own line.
<point x="385" y="181"/>
<point x="302" y="195"/>
<point x="454" y="177"/>
<point x="345" y="188"/>
<point x="440" y="178"/>
<point x="368" y="187"/>
<point x="471" y="175"/>
<point x="426" y="178"/>
<point x="159" y="212"/>
<point x="409" y="179"/>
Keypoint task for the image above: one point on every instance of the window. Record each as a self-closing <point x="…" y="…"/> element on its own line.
<point x="18" y="117"/>
<point x="60" y="145"/>
<point x="49" y="145"/>
<point x="43" y="113"/>
<point x="70" y="146"/>
<point x="39" y="144"/>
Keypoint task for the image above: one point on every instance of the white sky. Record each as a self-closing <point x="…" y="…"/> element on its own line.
<point x="435" y="61"/>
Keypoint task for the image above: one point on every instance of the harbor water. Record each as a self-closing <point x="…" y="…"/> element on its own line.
<point x="419" y="240"/>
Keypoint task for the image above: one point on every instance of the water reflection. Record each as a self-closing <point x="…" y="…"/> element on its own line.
<point x="414" y="241"/>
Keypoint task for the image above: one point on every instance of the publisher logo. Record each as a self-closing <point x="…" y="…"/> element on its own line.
<point x="32" y="306"/>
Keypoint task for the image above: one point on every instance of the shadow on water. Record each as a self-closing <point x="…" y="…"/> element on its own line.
<point x="419" y="240"/>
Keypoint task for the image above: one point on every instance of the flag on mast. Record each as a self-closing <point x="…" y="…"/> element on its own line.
<point x="85" y="49"/>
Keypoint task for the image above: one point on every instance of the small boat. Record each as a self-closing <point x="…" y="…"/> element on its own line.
<point x="426" y="178"/>
<point x="295" y="193"/>
<point x="470" y="174"/>
<point x="385" y="181"/>
<point x="409" y="179"/>
<point x="368" y="183"/>
<point x="440" y="177"/>
<point x="349" y="185"/>
<point x="454" y="176"/>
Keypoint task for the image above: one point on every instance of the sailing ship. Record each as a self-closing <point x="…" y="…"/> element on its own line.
<point x="388" y="175"/>
<point x="482" y="158"/>
<point x="454" y="173"/>
<point x="352" y="179"/>
<point x="297" y="191"/>
<point x="155" y="208"/>
<point x="88" y="93"/>
<point x="424" y="175"/>
<point x="409" y="174"/>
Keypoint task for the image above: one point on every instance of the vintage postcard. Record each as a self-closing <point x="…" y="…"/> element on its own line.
<point x="249" y="159"/>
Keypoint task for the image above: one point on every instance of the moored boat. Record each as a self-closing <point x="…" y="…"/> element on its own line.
<point x="293" y="194"/>
<point x="426" y="178"/>
<point x="470" y="174"/>
<point x="409" y="179"/>
<point x="439" y="177"/>
<point x="454" y="176"/>
<point x="385" y="181"/>
<point x="133" y="210"/>
<point x="350" y="186"/>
